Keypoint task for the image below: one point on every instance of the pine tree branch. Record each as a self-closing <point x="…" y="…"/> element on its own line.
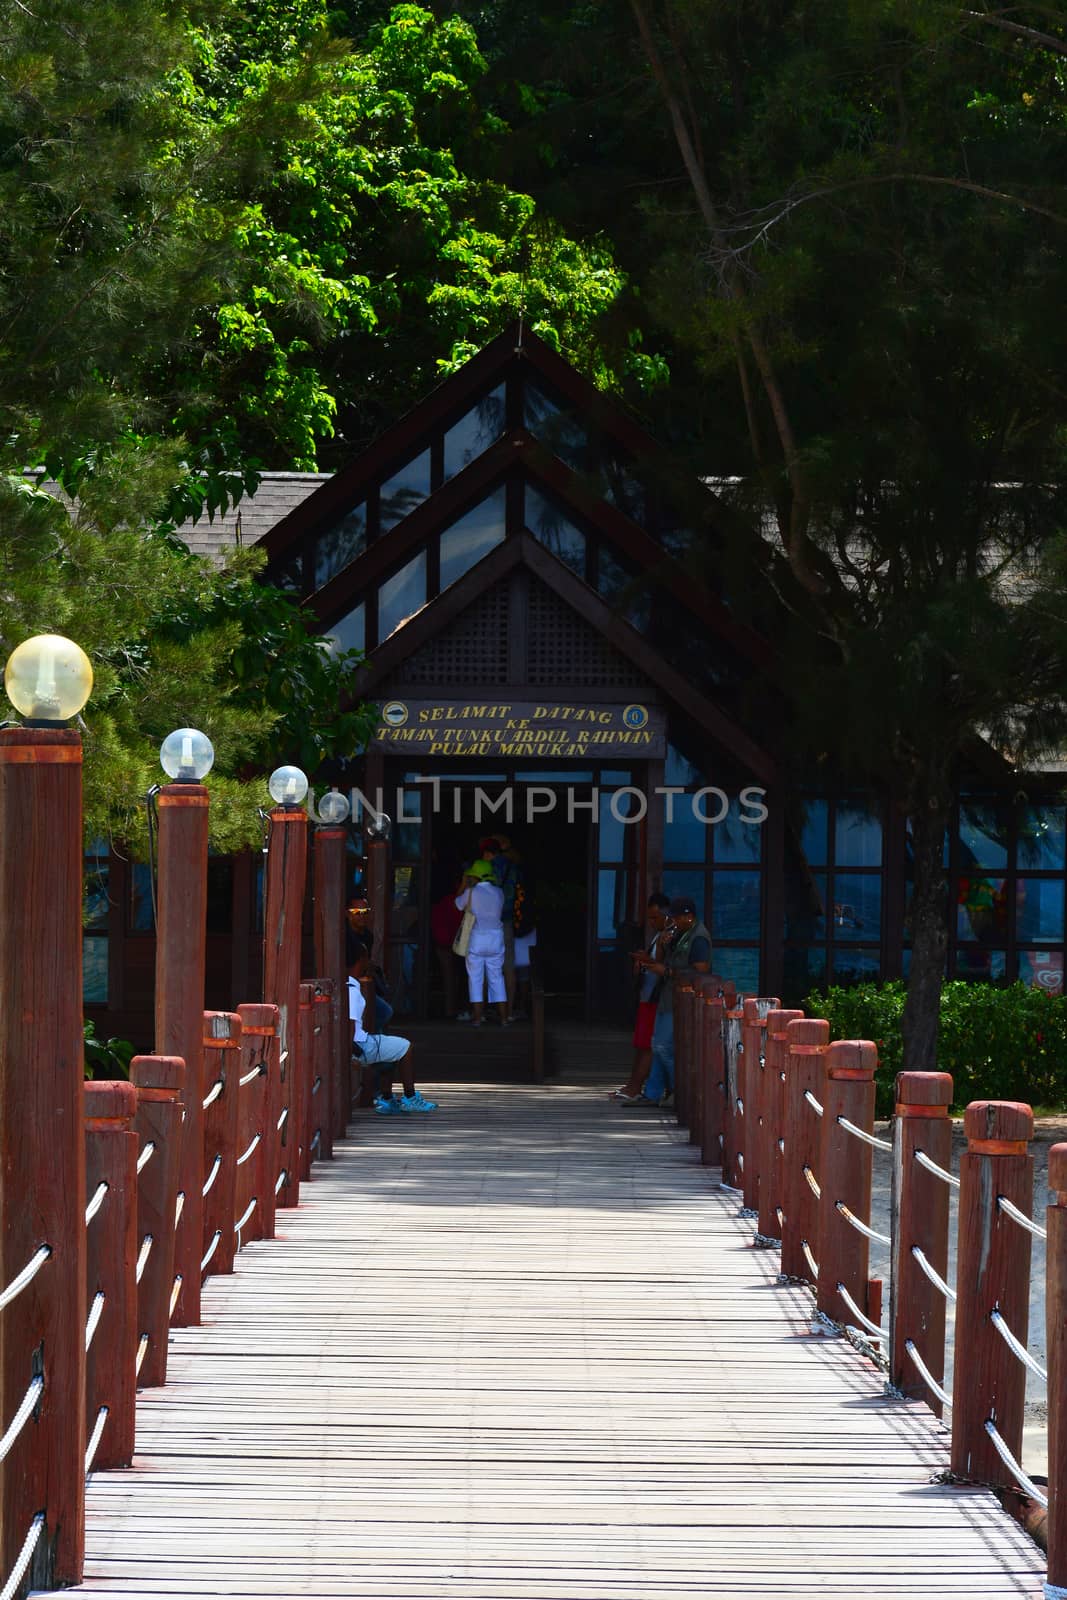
<point x="1047" y="41"/>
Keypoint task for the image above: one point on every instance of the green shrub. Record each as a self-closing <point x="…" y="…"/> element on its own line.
<point x="998" y="1043"/>
<point x="106" y="1059"/>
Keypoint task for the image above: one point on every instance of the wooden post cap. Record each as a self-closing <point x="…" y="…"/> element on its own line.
<point x="158" y="1072"/>
<point x="923" y="1089"/>
<point x="258" y="1019"/>
<point x="110" y="1101"/>
<point x="729" y="993"/>
<point x="289" y="814"/>
<point x="222" y="1030"/>
<point x="805" y="1031"/>
<point x="323" y="991"/>
<point x="778" y="1019"/>
<point x="1057" y="1175"/>
<point x="852" y="1058"/>
<point x="998" y="1122"/>
<point x="189" y="795"/>
<point x="307" y="994"/>
<point x="751" y="1014"/>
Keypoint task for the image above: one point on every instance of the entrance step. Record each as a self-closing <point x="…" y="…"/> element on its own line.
<point x="575" y="1052"/>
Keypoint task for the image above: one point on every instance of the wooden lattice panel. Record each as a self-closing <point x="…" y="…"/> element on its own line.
<point x="564" y="648"/>
<point x="473" y="650"/>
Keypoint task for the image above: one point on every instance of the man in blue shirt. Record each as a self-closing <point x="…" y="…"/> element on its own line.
<point x="686" y="947"/>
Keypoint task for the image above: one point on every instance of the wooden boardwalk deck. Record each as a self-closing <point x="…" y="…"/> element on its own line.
<point x="522" y="1350"/>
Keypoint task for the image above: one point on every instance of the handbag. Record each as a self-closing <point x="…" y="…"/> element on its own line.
<point x="462" y="942"/>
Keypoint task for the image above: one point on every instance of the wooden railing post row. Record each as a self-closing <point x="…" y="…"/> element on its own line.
<point x="920" y="1207"/>
<point x="111" y="1148"/>
<point x="683" y="1000"/>
<point x="732" y="1131"/>
<point x="771" y="1108"/>
<point x="807" y="1040"/>
<point x="845" y="1171"/>
<point x="755" y="1012"/>
<point x="160" y="1085"/>
<point x="321" y="1147"/>
<point x="1056" y="1347"/>
<point x="42" y="1150"/>
<point x="222" y="1060"/>
<point x="255" y="1174"/>
<point x="714" y="1068"/>
<point x="181" y="948"/>
<point x="286" y="878"/>
<point x="992" y="1274"/>
<point x="698" y="1055"/>
<point x="306" y="1052"/>
<point x="331" y="846"/>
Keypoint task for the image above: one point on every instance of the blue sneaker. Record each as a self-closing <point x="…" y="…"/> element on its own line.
<point x="388" y="1108"/>
<point x="416" y="1102"/>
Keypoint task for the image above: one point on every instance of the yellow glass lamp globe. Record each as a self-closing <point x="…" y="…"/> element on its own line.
<point x="48" y="678"/>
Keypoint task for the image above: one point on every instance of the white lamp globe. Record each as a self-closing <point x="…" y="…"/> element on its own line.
<point x="288" y="786"/>
<point x="379" y="826"/>
<point x="186" y="755"/>
<point x="333" y="808"/>
<point x="48" y="678"/>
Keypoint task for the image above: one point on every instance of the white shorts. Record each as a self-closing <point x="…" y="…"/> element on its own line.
<point x="383" y="1049"/>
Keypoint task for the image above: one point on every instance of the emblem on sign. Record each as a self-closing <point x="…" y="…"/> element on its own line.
<point x="395" y="714"/>
<point x="635" y="716"/>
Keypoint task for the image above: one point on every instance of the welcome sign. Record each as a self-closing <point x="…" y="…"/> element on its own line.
<point x="521" y="730"/>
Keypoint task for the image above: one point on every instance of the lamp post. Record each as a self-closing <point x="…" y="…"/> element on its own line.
<point x="331" y="842"/>
<point x="282" y="927"/>
<point x="42" y="1139"/>
<point x="186" y="756"/>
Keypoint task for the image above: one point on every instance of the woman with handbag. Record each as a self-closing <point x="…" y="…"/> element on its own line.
<point x="480" y="940"/>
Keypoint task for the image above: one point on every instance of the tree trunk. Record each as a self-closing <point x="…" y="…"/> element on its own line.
<point x="929" y="931"/>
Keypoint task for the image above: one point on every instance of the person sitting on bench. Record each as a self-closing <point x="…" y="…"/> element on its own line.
<point x="379" y="1053"/>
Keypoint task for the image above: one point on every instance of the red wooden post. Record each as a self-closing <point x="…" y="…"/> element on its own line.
<point x="732" y="1130"/>
<point x="844" y="1172"/>
<point x="322" y="1078"/>
<point x="283" y="913"/>
<point x="181" y="941"/>
<point x="920" y="1221"/>
<point x="222" y="1064"/>
<point x="42" y="1146"/>
<point x="752" y="1030"/>
<point x="684" y="1000"/>
<point x="711" y="1149"/>
<point x="159" y="1081"/>
<point x="807" y="1039"/>
<point x="992" y="1275"/>
<point x="1056" y="1336"/>
<point x="306" y="1054"/>
<point x="331" y="845"/>
<point x="111" y="1149"/>
<point x="256" y="1166"/>
<point x="771" y="1106"/>
<point x="698" y="1052"/>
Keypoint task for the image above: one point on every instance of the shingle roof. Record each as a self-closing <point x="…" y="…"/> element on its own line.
<point x="254" y="515"/>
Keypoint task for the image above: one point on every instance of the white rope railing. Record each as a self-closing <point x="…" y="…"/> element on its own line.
<point x="939" y="1172"/>
<point x="780" y="1215"/>
<point x="213" y="1094"/>
<point x="283" y="1177"/>
<point x="92" y="1322"/>
<point x="317" y="1085"/>
<point x="27" y="1407"/>
<point x="861" y="1317"/>
<point x="317" y="1140"/>
<point x="740" y="1105"/>
<point x="868" y="1138"/>
<point x="781" y="1146"/>
<point x="812" y="1102"/>
<point x="146" y="1155"/>
<point x="209" y="1181"/>
<point x="99" y="1195"/>
<point x="29" y="1545"/>
<point x="94" y="1441"/>
<point x="931" y="1272"/>
<point x="808" y="1257"/>
<point x="813" y="1183"/>
<point x="926" y="1375"/>
<point x="179" y="1207"/>
<point x="1013" y="1466"/>
<point x="250" y="1151"/>
<point x="1012" y="1211"/>
<point x="861" y="1227"/>
<point x="176" y="1290"/>
<point x="26" y="1276"/>
<point x="212" y="1247"/>
<point x="239" y="1224"/>
<point x="281" y="1119"/>
<point x="740" y="1161"/>
<point x="283" y="1058"/>
<point x="1016" y="1346"/>
<point x="142" y="1259"/>
<point x="142" y="1351"/>
<point x="258" y="1071"/>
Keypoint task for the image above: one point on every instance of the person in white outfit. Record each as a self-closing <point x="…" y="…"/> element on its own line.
<point x="485" y="954"/>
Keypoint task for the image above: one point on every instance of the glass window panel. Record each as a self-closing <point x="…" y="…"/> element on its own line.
<point x="289" y="575"/>
<point x="552" y="528"/>
<point x="220" y="894"/>
<point x="407" y="834"/>
<point x="982" y="909"/>
<point x="983" y="834"/>
<point x="403" y="492"/>
<point x="685" y="834"/>
<point x="981" y="964"/>
<point x="1041" y="839"/>
<point x="857" y="836"/>
<point x="616" y="776"/>
<point x="1042" y="969"/>
<point x="622" y="590"/>
<point x="95" y="961"/>
<point x="735" y="905"/>
<point x="688" y="881"/>
<point x="340" y="545"/>
<point x="814" y="832"/>
<point x="612" y="831"/>
<point x="610" y="903"/>
<point x="477" y="532"/>
<point x="348" y="632"/>
<point x="741" y="966"/>
<point x="857" y="906"/>
<point x="680" y="771"/>
<point x="733" y="838"/>
<point x="804" y="971"/>
<point x="472" y="435"/>
<point x="621" y="490"/>
<point x="401" y="596"/>
<point x="96" y="902"/>
<point x="141" y="918"/>
<point x="805" y="907"/>
<point x="560" y="432"/>
<point x="856" y="966"/>
<point x="1039" y="910"/>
